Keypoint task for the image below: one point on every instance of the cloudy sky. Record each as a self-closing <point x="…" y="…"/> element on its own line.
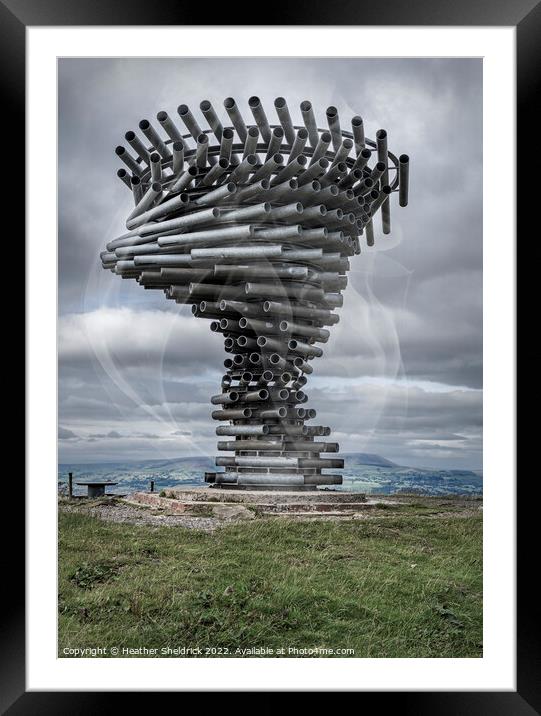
<point x="402" y="373"/>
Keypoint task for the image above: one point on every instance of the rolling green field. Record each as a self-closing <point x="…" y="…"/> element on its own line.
<point x="405" y="582"/>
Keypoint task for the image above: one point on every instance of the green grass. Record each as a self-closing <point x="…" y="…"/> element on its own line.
<point x="392" y="586"/>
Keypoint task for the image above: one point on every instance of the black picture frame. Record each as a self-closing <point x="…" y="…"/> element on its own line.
<point x="15" y="16"/>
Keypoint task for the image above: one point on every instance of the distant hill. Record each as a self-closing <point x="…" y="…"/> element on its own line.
<point x="367" y="458"/>
<point x="193" y="462"/>
<point x="205" y="462"/>
<point x="364" y="472"/>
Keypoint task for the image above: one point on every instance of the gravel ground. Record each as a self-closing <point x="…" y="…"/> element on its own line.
<point x="121" y="512"/>
<point x="113" y="510"/>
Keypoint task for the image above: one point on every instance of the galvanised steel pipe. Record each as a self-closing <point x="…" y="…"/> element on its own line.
<point x="304" y="349"/>
<point x="383" y="157"/>
<point x="290" y="170"/>
<point x="250" y="145"/>
<point x="268" y="344"/>
<point x="275" y="142"/>
<point x="286" y="212"/>
<point x="302" y="365"/>
<point x="314" y="171"/>
<point x="291" y="232"/>
<point x="238" y="308"/>
<point x="137" y="188"/>
<point x="357" y="127"/>
<point x="181" y="222"/>
<point x="226" y="143"/>
<point x="269" y="167"/>
<point x="264" y="257"/>
<point x="235" y="117"/>
<point x="225" y="398"/>
<point x="239" y="252"/>
<point x="377" y="171"/>
<point x="349" y="180"/>
<point x="241" y="173"/>
<point x="364" y="187"/>
<point x="178" y="157"/>
<point x="242" y="430"/>
<point x="212" y="291"/>
<point x="282" y="192"/>
<point x="299" y="144"/>
<point x="151" y="195"/>
<point x="309" y="193"/>
<point x="176" y="274"/>
<point x="284" y="291"/>
<point x="384" y="194"/>
<point x="189" y="120"/>
<point x="201" y="151"/>
<point x="304" y="446"/>
<point x="217" y="171"/>
<point x="124" y="176"/>
<point x="310" y="123"/>
<point x="155" y="167"/>
<point x="128" y="160"/>
<point x="232" y="414"/>
<point x="217" y="196"/>
<point x="321" y="147"/>
<point x="333" y="175"/>
<point x="286" y="479"/>
<point x="136" y="144"/>
<point x="331" y="196"/>
<point x="369" y="230"/>
<point x="256" y="325"/>
<point x="184" y="180"/>
<point x="321" y="334"/>
<point x="129" y="251"/>
<point x="254" y="212"/>
<point x="299" y="311"/>
<point x="254" y="191"/>
<point x="312" y="216"/>
<point x="237" y="273"/>
<point x="334" y="127"/>
<point x="154" y="138"/>
<point x="244" y="342"/>
<point x="212" y="118"/>
<point x="169" y="126"/>
<point x="362" y="160"/>
<point x="163" y="260"/>
<point x="280" y="105"/>
<point x="343" y="151"/>
<point x="403" y="179"/>
<point x="271" y="414"/>
<point x="260" y="461"/>
<point x="260" y="117"/>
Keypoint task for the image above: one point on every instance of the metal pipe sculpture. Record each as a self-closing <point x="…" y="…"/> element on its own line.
<point x="254" y="227"/>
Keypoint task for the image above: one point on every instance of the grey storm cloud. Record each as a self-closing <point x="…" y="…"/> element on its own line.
<point x="65" y="434"/>
<point x="111" y="434"/>
<point x="132" y="362"/>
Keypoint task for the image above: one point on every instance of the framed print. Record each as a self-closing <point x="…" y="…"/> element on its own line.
<point x="296" y="478"/>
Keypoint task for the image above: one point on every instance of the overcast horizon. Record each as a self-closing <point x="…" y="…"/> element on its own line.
<point x="401" y="375"/>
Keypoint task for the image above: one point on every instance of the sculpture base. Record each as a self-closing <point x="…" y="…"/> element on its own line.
<point x="270" y="481"/>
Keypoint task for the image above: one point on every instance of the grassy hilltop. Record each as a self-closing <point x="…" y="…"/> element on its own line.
<point x="404" y="581"/>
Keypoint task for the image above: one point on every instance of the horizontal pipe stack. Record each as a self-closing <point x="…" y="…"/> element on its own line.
<point x="254" y="225"/>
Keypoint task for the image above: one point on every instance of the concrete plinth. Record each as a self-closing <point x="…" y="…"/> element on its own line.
<point x="95" y="489"/>
<point x="271" y="502"/>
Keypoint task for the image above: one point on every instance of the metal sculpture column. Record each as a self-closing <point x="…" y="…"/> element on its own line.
<point x="254" y="225"/>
